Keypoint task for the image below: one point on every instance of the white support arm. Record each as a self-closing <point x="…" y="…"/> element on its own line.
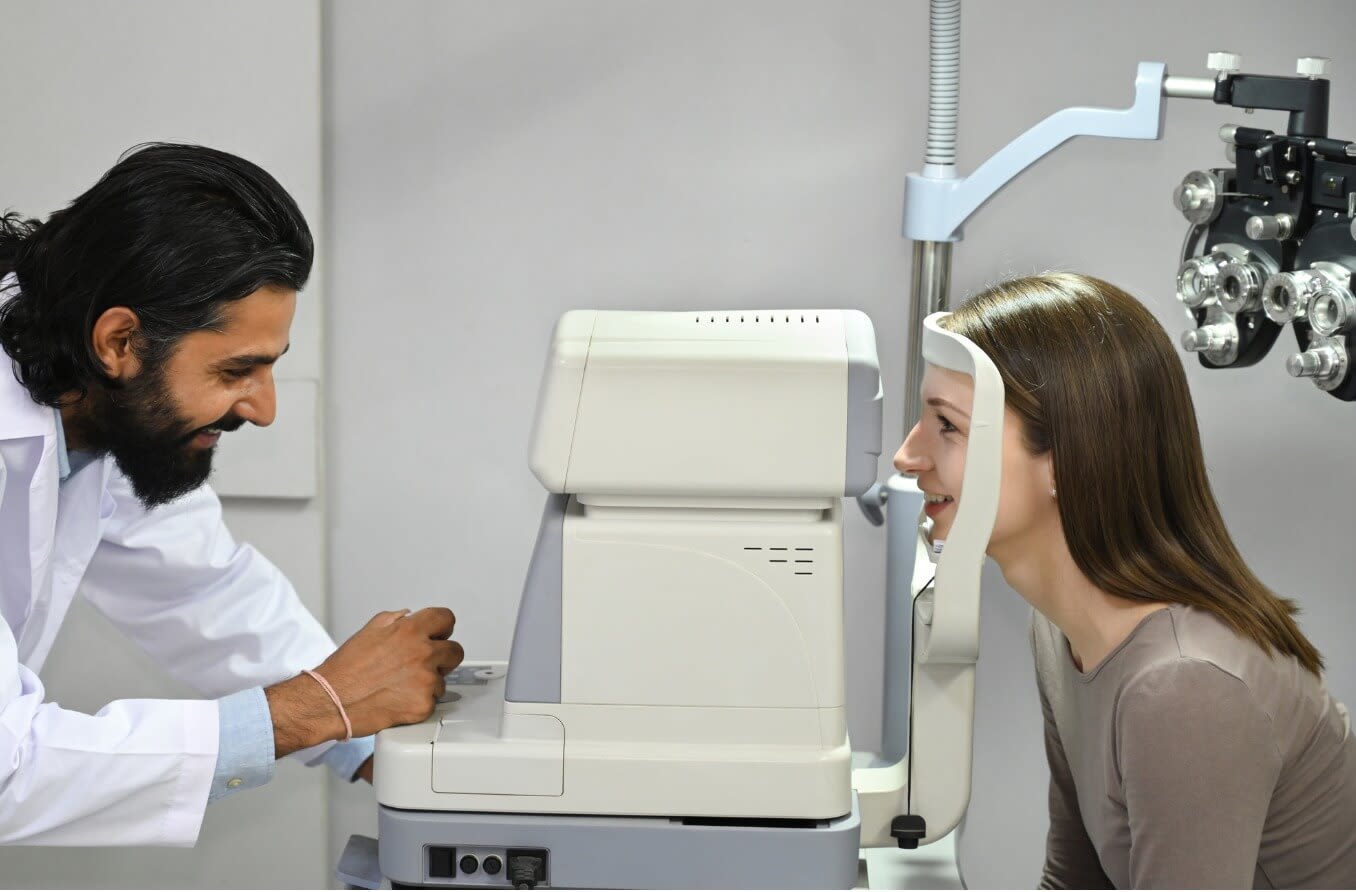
<point x="937" y="206"/>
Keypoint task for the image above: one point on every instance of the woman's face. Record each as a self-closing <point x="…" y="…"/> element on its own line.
<point x="934" y="452"/>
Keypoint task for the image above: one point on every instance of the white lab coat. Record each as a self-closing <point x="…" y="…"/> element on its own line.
<point x="215" y="614"/>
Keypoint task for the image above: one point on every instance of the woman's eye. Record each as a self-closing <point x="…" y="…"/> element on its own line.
<point x="947" y="426"/>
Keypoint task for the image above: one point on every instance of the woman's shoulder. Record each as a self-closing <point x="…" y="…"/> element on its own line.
<point x="1177" y="641"/>
<point x="1189" y="671"/>
<point x="1198" y="636"/>
<point x="1201" y="663"/>
<point x="1185" y="641"/>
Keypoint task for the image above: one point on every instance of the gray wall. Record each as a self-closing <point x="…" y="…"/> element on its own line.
<point x="83" y="82"/>
<point x="492" y="165"/>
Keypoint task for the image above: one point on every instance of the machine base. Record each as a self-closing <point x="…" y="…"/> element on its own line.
<point x="590" y="852"/>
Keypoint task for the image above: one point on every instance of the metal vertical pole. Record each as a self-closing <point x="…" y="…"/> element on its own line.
<point x="930" y="293"/>
<point x="904" y="503"/>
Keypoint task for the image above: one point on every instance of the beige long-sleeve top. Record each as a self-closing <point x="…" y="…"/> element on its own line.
<point x="1189" y="758"/>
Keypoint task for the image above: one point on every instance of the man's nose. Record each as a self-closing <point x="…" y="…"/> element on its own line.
<point x="910" y="459"/>
<point x="261" y="406"/>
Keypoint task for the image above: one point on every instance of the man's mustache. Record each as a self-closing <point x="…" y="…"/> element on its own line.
<point x="226" y="423"/>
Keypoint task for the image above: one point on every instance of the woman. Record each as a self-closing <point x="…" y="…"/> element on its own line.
<point x="1190" y="738"/>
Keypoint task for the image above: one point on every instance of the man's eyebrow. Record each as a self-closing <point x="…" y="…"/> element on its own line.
<point x="938" y="401"/>
<point x="249" y="360"/>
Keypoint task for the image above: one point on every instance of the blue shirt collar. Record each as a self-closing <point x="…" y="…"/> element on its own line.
<point x="63" y="456"/>
<point x="69" y="461"/>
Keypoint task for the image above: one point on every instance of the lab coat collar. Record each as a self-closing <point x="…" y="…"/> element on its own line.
<point x="19" y="415"/>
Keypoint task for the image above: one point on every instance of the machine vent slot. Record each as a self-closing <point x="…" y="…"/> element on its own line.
<point x="759" y="318"/>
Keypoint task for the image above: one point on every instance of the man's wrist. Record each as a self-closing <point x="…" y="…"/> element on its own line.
<point x="303" y="715"/>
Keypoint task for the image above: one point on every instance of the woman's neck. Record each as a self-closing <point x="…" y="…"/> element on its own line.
<point x="1094" y="621"/>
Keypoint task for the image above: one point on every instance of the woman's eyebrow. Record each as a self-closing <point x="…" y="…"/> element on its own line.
<point x="938" y="401"/>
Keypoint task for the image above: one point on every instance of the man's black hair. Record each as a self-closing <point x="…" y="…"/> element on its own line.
<point x="173" y="232"/>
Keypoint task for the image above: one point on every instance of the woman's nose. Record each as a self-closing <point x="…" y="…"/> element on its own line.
<point x="910" y="459"/>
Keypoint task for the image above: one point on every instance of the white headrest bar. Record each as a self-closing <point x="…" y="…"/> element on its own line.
<point x="953" y="636"/>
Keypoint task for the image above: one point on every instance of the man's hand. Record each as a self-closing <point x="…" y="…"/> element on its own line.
<point x="389" y="673"/>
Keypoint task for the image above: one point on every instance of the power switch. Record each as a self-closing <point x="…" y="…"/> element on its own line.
<point x="442" y="862"/>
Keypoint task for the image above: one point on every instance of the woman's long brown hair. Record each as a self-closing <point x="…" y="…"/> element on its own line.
<point x="1097" y="384"/>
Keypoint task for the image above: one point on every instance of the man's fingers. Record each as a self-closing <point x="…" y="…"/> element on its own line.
<point x="435" y="622"/>
<point x="447" y="655"/>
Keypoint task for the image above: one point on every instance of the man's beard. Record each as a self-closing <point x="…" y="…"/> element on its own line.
<point x="139" y="424"/>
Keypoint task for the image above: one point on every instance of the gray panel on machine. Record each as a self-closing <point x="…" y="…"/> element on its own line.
<point x="534" y="663"/>
<point x="863" y="408"/>
<point x="633" y="852"/>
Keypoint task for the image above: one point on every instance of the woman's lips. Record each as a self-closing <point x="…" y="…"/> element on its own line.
<point x="934" y="509"/>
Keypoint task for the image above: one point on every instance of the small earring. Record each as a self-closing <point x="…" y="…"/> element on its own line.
<point x="1052" y="493"/>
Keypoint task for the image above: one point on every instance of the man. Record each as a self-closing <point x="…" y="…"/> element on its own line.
<point x="141" y="323"/>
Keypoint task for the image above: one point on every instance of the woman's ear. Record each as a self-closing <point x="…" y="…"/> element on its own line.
<point x="1048" y="466"/>
<point x="113" y="338"/>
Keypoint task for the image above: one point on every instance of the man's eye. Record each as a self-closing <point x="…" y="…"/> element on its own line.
<point x="237" y="374"/>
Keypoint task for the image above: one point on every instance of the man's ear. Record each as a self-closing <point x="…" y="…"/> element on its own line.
<point x="113" y="338"/>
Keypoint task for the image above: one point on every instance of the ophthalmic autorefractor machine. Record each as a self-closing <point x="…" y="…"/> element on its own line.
<point x="673" y="712"/>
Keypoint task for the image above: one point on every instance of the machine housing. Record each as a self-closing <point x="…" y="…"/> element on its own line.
<point x="678" y="651"/>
